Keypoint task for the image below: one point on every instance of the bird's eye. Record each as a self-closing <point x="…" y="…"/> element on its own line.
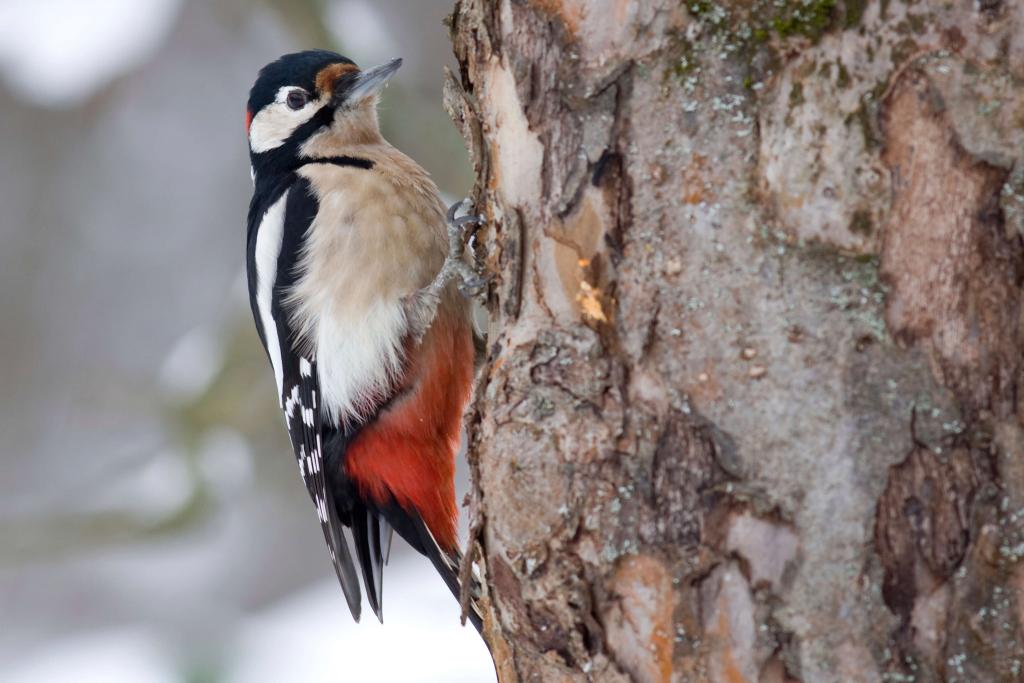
<point x="297" y="99"/>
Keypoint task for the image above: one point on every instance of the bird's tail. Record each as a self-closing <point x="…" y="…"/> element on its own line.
<point x="372" y="535"/>
<point x="448" y="564"/>
<point x="372" y="528"/>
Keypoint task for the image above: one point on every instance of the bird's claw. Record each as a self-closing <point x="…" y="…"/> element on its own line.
<point x="468" y="219"/>
<point x="456" y="207"/>
<point x="455" y="225"/>
<point x="472" y="283"/>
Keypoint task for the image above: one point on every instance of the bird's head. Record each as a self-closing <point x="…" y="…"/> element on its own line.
<point x="310" y="104"/>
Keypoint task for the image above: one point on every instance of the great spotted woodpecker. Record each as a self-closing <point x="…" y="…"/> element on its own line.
<point x="352" y="262"/>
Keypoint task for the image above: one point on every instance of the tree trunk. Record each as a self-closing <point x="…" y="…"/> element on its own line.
<point x="750" y="409"/>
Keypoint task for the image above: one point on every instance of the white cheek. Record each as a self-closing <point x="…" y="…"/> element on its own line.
<point x="275" y="123"/>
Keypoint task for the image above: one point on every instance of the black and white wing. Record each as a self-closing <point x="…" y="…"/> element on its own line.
<point x="279" y="219"/>
<point x="305" y="427"/>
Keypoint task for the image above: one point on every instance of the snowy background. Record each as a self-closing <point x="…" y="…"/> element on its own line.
<point x="152" y="525"/>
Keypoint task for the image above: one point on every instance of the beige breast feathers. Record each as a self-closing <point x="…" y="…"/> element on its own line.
<point x="376" y="238"/>
<point x="372" y="239"/>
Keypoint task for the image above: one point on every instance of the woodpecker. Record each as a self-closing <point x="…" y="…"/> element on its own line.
<point x="354" y="270"/>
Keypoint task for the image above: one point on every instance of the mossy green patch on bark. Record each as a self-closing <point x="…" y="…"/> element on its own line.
<point x="810" y="19"/>
<point x="742" y="31"/>
<point x="857" y="288"/>
<point x="685" y="66"/>
<point x="748" y="34"/>
<point x="854" y="13"/>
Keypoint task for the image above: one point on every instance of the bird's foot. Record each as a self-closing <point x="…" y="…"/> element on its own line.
<point x="422" y="306"/>
<point x="471" y="282"/>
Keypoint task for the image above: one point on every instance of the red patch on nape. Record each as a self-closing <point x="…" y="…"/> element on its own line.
<point x="248" y="119"/>
<point x="408" y="453"/>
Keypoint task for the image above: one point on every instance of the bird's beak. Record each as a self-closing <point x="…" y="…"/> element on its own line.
<point x="371" y="81"/>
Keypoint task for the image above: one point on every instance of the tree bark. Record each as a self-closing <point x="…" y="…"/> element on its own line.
<point x="750" y="409"/>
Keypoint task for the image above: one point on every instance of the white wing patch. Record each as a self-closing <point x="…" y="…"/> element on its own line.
<point x="268" y="249"/>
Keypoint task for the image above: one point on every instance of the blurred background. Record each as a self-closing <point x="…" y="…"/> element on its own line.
<point x="153" y="526"/>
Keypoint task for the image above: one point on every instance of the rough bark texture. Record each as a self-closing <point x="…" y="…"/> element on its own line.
<point x="750" y="410"/>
